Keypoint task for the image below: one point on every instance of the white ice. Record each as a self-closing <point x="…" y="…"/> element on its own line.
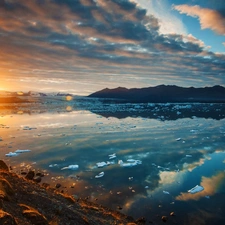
<point x="10" y="154"/>
<point x="70" y="167"/>
<point x="130" y="163"/>
<point x="101" y="164"/>
<point x="196" y="189"/>
<point x="112" y="156"/>
<point x="22" y="151"/>
<point x="100" y="175"/>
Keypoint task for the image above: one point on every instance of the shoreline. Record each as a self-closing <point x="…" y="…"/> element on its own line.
<point x="23" y="201"/>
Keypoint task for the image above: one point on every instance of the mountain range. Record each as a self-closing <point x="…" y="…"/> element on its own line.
<point x="163" y="94"/>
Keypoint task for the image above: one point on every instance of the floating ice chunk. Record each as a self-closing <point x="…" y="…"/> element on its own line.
<point x="207" y="196"/>
<point x="112" y="156"/>
<point x="70" y="167"/>
<point x="193" y="131"/>
<point x="26" y="128"/>
<point x="207" y="148"/>
<point x="22" y="151"/>
<point x="130" y="163"/>
<point x="29" y="128"/>
<point x="178" y="139"/>
<point x="166" y="192"/>
<point x="188" y="156"/>
<point x="101" y="164"/>
<point x="196" y="189"/>
<point x="11" y="154"/>
<point x="53" y="165"/>
<point x="100" y="175"/>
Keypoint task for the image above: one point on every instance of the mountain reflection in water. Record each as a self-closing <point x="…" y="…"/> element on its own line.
<point x="179" y="147"/>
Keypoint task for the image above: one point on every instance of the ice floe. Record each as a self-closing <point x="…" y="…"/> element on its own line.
<point x="196" y="189"/>
<point x="17" y="152"/>
<point x="22" y="151"/>
<point x="101" y="164"/>
<point x="70" y="167"/>
<point x="100" y="175"/>
<point x="29" y="128"/>
<point x="53" y="165"/>
<point x="166" y="192"/>
<point x="11" y="154"/>
<point x="129" y="163"/>
<point x="112" y="156"/>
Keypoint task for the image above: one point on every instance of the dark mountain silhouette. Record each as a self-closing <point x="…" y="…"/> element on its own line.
<point x="164" y="93"/>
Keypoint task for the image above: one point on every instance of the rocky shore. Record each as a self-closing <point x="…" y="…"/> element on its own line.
<point x="26" y="202"/>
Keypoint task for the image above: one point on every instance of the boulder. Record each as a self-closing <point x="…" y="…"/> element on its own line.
<point x="6" y="218"/>
<point x="3" y="166"/>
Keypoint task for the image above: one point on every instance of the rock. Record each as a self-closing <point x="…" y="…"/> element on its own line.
<point x="40" y="174"/>
<point x="172" y="214"/>
<point x="6" y="189"/>
<point x="45" y="185"/>
<point x="33" y="215"/>
<point x="30" y="175"/>
<point x="164" y="218"/>
<point x="37" y="179"/>
<point x="3" y="166"/>
<point x="3" y="195"/>
<point x="58" y="185"/>
<point x="6" y="218"/>
<point x="23" y="173"/>
<point x="141" y="220"/>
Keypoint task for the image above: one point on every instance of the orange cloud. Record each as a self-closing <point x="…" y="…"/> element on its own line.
<point x="210" y="185"/>
<point x="208" y="18"/>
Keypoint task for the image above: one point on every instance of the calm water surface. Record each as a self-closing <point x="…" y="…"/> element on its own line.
<point x="173" y="157"/>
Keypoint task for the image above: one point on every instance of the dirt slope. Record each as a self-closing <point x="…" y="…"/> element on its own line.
<point x="26" y="202"/>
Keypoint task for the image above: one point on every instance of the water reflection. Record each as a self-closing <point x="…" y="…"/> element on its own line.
<point x="176" y="155"/>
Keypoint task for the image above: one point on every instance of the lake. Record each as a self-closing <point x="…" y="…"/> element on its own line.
<point x="151" y="155"/>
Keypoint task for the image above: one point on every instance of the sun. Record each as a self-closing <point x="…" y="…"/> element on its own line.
<point x="3" y="86"/>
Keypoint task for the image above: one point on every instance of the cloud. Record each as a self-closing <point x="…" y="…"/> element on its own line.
<point x="87" y="40"/>
<point x="210" y="185"/>
<point x="168" y="22"/>
<point x="208" y="18"/>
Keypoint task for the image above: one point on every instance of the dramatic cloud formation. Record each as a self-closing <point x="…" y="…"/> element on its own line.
<point x="210" y="185"/>
<point x="208" y="18"/>
<point x="97" y="41"/>
<point x="169" y="23"/>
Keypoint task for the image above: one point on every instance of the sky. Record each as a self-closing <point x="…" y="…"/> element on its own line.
<point x="82" y="46"/>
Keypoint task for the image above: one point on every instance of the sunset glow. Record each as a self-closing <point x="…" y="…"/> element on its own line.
<point x="92" y="45"/>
